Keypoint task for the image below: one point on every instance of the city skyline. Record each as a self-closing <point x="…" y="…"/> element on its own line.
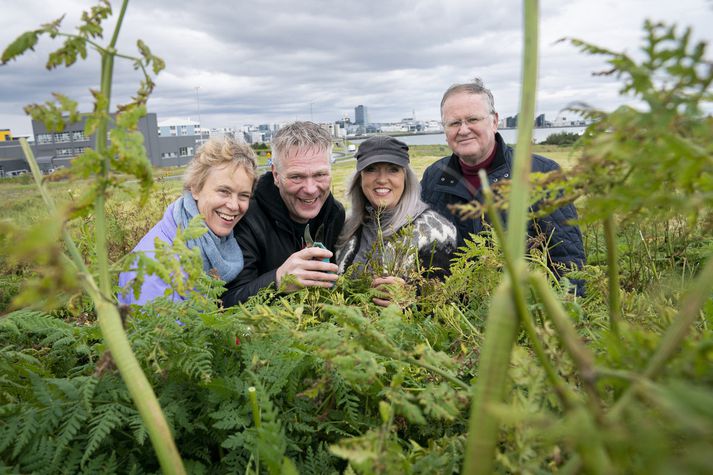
<point x="284" y="61"/>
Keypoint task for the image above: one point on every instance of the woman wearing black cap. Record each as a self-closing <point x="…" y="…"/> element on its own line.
<point x="390" y="233"/>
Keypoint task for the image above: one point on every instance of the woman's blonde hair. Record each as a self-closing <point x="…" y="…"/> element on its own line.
<point x="217" y="152"/>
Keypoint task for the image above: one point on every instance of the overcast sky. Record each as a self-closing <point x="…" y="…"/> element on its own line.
<point x="237" y="63"/>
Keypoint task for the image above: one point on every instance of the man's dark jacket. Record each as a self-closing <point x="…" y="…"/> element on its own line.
<point x="267" y="237"/>
<point x="443" y="184"/>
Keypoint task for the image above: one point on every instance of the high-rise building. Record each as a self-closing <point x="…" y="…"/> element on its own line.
<point x="361" y="116"/>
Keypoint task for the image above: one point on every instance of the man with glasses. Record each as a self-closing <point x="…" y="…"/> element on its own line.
<point x="291" y="209"/>
<point x="471" y="127"/>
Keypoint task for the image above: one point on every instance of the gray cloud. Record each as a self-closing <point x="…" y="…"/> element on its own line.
<point x="282" y="60"/>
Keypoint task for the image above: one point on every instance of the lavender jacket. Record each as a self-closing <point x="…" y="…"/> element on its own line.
<point x="153" y="286"/>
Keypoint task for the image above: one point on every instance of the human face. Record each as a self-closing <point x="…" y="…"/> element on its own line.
<point x="224" y="198"/>
<point x="470" y="126"/>
<point x="303" y="177"/>
<point x="383" y="184"/>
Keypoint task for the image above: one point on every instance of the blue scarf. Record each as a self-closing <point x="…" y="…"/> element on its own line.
<point x="220" y="253"/>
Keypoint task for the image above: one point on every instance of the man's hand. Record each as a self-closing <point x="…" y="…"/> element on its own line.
<point x="309" y="270"/>
<point x="382" y="284"/>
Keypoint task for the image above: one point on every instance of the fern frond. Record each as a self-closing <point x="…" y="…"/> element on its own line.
<point x="30" y="422"/>
<point x="106" y="418"/>
<point x="73" y="422"/>
<point x="138" y="429"/>
<point x="319" y="462"/>
<point x="101" y="464"/>
<point x="37" y="458"/>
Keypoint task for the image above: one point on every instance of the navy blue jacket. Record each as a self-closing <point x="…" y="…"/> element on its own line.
<point x="443" y="184"/>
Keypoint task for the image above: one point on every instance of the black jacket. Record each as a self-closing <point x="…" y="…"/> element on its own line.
<point x="443" y="184"/>
<point x="267" y="237"/>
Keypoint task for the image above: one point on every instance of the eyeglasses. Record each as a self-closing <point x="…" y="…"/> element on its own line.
<point x="320" y="177"/>
<point x="456" y="124"/>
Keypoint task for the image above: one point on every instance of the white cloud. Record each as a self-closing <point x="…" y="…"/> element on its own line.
<point x="279" y="60"/>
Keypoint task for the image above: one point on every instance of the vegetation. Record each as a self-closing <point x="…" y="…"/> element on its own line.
<point x="561" y="138"/>
<point x="324" y="381"/>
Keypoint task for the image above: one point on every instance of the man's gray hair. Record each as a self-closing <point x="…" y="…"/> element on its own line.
<point x="475" y="86"/>
<point x="303" y="135"/>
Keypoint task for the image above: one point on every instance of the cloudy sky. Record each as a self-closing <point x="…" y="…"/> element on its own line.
<point x="236" y="63"/>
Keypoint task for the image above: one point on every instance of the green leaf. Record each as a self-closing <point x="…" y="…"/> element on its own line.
<point x="22" y="43"/>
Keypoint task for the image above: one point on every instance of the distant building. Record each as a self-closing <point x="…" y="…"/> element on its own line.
<point x="254" y="136"/>
<point x="178" y="128"/>
<point x="540" y="121"/>
<point x="222" y="132"/>
<point x="433" y="126"/>
<point x="511" y="122"/>
<point x="336" y="129"/>
<point x="361" y="115"/>
<point x="57" y="149"/>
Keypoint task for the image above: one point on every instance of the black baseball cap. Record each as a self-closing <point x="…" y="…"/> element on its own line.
<point x="380" y="149"/>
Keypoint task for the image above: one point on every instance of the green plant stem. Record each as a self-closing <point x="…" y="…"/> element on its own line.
<point x="502" y="324"/>
<point x="614" y="299"/>
<point x="107" y="73"/>
<point x="448" y="377"/>
<point x="563" y="393"/>
<point x="75" y="255"/>
<point x="252" y="395"/>
<point x="119" y="21"/>
<point x="112" y="328"/>
<point x="100" y="236"/>
<point x="590" y="445"/>
<point x="580" y="354"/>
<point x="483" y="426"/>
<point x="675" y="334"/>
<point x="520" y="189"/>
<point x="139" y="387"/>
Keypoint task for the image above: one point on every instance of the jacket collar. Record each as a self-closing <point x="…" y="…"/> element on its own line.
<point x="452" y="175"/>
<point x="499" y="160"/>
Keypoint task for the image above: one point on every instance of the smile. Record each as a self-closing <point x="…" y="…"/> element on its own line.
<point x="308" y="202"/>
<point x="382" y="191"/>
<point x="227" y="217"/>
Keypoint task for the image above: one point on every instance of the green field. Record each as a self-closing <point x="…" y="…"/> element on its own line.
<point x="23" y="205"/>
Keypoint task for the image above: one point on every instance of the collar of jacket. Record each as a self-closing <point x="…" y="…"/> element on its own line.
<point x="451" y="180"/>
<point x="267" y="197"/>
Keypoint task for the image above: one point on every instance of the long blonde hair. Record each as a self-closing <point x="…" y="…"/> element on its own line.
<point x="408" y="207"/>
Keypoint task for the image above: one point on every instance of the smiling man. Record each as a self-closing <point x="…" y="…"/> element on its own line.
<point x="471" y="126"/>
<point x="293" y="197"/>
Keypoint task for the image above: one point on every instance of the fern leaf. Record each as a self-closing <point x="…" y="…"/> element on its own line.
<point x="72" y="423"/>
<point x="9" y="430"/>
<point x="102" y="464"/>
<point x="29" y="425"/>
<point x="106" y="418"/>
<point x="138" y="428"/>
<point x="37" y="458"/>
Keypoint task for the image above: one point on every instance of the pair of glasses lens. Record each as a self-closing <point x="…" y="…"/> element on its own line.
<point x="456" y="124"/>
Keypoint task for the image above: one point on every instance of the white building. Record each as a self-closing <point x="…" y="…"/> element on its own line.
<point x="178" y="128"/>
